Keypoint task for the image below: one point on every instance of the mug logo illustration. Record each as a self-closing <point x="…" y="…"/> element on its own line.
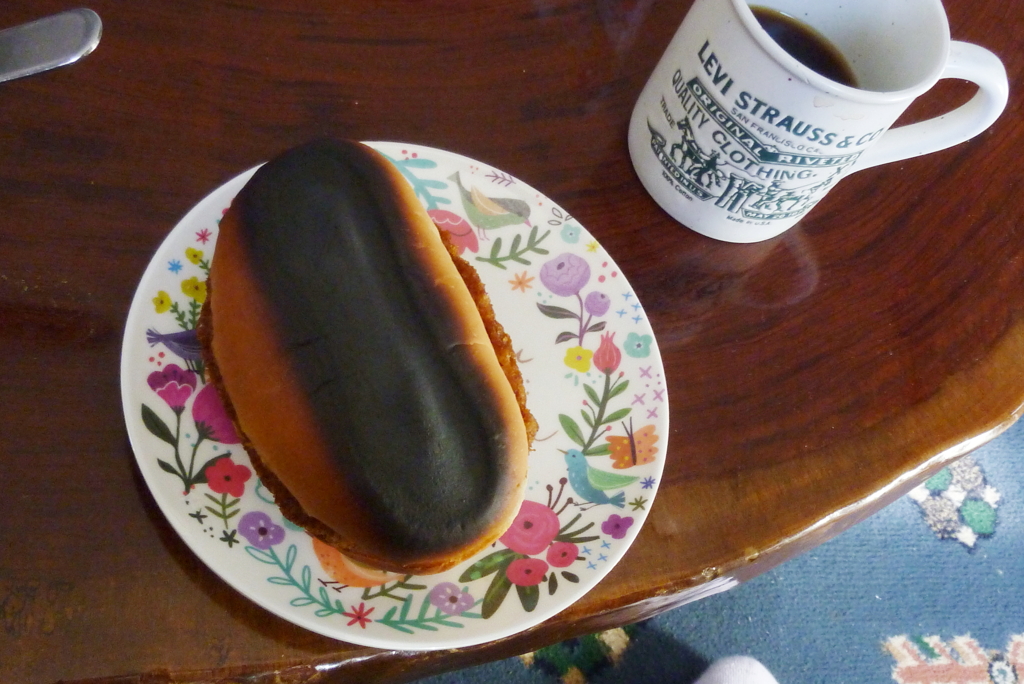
<point x="718" y="154"/>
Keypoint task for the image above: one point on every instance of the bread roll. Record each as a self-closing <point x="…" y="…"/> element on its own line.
<point x="359" y="356"/>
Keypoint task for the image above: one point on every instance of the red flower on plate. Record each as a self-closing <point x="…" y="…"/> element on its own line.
<point x="225" y="476"/>
<point x="562" y="554"/>
<point x="608" y="356"/>
<point x="526" y="572"/>
<point x="359" y="614"/>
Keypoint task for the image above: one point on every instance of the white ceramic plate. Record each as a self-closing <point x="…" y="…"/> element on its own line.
<point x="595" y="383"/>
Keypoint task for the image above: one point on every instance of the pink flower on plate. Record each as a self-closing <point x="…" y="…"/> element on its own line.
<point x="174" y="385"/>
<point x="526" y="572"/>
<point x="562" y="554"/>
<point x="211" y="419"/>
<point x="533" y="529"/>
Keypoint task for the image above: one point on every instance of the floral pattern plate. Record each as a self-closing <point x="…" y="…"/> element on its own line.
<point x="594" y="379"/>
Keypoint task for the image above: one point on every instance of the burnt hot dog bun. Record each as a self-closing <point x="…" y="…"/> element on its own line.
<point x="359" y="356"/>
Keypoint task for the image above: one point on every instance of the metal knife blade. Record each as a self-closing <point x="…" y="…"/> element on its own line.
<point x="48" y="43"/>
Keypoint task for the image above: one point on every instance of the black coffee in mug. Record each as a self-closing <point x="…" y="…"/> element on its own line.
<point x="805" y="44"/>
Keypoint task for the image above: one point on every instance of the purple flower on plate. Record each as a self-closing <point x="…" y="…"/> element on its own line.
<point x="450" y="599"/>
<point x="597" y="303"/>
<point x="174" y="385"/>
<point x="616" y="526"/>
<point x="211" y="419"/>
<point x="260" y="530"/>
<point x="565" y="275"/>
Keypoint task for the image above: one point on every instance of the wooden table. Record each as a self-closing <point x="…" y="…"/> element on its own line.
<point x="813" y="378"/>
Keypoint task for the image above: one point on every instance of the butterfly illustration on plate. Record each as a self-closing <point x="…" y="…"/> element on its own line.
<point x="636" y="448"/>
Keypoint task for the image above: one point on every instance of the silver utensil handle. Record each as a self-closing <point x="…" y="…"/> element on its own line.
<point x="48" y="43"/>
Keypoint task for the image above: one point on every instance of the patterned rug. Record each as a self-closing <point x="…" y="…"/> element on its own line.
<point x="930" y="590"/>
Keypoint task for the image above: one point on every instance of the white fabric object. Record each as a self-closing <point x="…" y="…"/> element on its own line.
<point x="737" y="670"/>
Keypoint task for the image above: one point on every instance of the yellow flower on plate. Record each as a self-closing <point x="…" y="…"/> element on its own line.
<point x="194" y="255"/>
<point x="578" y="358"/>
<point x="162" y="301"/>
<point x="194" y="288"/>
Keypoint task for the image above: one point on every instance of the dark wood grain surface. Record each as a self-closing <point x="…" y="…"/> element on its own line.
<point x="812" y="378"/>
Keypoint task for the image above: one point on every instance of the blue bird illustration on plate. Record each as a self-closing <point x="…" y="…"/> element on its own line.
<point x="184" y="343"/>
<point x="592" y="485"/>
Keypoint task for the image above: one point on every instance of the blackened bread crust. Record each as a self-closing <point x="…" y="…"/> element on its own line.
<point x="296" y="452"/>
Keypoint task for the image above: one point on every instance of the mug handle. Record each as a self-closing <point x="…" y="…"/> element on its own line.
<point x="968" y="62"/>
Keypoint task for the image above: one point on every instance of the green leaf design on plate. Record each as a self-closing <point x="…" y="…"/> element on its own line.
<point x="289" y="560"/>
<point x="223" y="508"/>
<point x="488" y="564"/>
<point x="516" y="249"/>
<point x="157" y="426"/>
<point x="303" y="583"/>
<point x="616" y="415"/>
<point x="572" y="429"/>
<point x="565" y="337"/>
<point x="555" y="311"/>
<point x="529" y="597"/>
<point x="262" y="556"/>
<point x="423" y="619"/>
<point x="565" y="534"/>
<point x="389" y="590"/>
<point x="618" y="389"/>
<point x="496" y="594"/>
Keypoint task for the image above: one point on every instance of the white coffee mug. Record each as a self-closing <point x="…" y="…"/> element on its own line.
<point x="737" y="139"/>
